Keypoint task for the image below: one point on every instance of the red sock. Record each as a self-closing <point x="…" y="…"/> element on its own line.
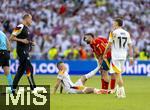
<point x="104" y="84"/>
<point x="112" y="83"/>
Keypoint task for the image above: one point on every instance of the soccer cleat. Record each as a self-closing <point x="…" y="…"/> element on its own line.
<point x="121" y="96"/>
<point x="112" y="91"/>
<point x="120" y="93"/>
<point x="103" y="91"/>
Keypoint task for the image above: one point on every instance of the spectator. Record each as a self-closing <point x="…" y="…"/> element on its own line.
<point x="53" y="53"/>
<point x="144" y="55"/>
<point x="57" y="22"/>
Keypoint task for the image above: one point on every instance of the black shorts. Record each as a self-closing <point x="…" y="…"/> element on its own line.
<point x="23" y="55"/>
<point x="4" y="58"/>
<point x="106" y="64"/>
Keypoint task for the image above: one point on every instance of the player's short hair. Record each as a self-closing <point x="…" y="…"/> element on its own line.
<point x="119" y="21"/>
<point x="89" y="34"/>
<point x="59" y="63"/>
<point x="26" y="16"/>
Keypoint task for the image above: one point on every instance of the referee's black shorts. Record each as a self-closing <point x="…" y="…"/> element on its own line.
<point x="4" y="58"/>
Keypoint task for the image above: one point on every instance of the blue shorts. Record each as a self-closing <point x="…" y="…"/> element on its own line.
<point x="105" y="64"/>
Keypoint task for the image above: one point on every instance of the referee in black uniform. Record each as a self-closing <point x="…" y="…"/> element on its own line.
<point x="24" y="44"/>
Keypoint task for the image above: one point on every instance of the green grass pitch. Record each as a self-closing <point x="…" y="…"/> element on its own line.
<point x="137" y="91"/>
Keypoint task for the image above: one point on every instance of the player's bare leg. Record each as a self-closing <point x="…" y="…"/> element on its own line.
<point x="120" y="91"/>
<point x="89" y="75"/>
<point x="83" y="79"/>
<point x="90" y="90"/>
<point x="61" y="89"/>
<point x="8" y="74"/>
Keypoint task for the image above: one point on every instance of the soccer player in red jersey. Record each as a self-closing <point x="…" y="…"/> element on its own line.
<point x="98" y="45"/>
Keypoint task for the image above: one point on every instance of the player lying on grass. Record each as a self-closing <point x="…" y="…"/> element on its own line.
<point x="98" y="45"/>
<point x="63" y="79"/>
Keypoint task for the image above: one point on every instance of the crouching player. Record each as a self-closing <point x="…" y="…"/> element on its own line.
<point x="98" y="45"/>
<point x="63" y="79"/>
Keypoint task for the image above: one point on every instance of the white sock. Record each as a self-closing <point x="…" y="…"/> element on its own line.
<point x="92" y="73"/>
<point x="121" y="92"/>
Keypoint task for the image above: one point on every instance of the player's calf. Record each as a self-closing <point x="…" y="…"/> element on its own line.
<point x="90" y="74"/>
<point x="8" y="75"/>
<point x="83" y="79"/>
<point x="89" y="90"/>
<point x="113" y="83"/>
<point x="120" y="93"/>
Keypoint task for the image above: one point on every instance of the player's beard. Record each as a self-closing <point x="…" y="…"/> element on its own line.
<point x="88" y="42"/>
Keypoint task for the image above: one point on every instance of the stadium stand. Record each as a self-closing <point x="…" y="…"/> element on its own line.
<point x="58" y="25"/>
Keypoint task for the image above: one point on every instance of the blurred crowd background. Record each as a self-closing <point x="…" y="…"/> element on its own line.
<point x="59" y="25"/>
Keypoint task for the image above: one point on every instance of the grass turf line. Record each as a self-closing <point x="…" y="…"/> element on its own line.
<point x="137" y="91"/>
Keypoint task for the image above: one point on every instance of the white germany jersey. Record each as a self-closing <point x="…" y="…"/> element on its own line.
<point x="65" y="80"/>
<point x="120" y="40"/>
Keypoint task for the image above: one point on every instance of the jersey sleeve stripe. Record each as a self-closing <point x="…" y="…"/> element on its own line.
<point x="61" y="72"/>
<point x="110" y="35"/>
<point x="78" y="87"/>
<point x="17" y="30"/>
<point x="108" y="64"/>
<point x="28" y="72"/>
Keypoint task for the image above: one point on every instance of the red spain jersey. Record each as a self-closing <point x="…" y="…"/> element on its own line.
<point x="98" y="45"/>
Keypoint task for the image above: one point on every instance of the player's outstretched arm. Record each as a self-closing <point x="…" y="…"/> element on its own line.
<point x="106" y="49"/>
<point x="61" y="89"/>
<point x="56" y="85"/>
<point x="109" y="44"/>
<point x="98" y="64"/>
<point x="8" y="45"/>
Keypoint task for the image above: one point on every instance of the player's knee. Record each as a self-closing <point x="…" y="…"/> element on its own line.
<point x="113" y="76"/>
<point x="104" y="74"/>
<point x="118" y="76"/>
<point x="83" y="78"/>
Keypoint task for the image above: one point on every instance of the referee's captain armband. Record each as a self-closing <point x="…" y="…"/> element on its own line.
<point x="17" y="30"/>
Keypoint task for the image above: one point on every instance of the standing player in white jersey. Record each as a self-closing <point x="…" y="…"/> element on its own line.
<point x="119" y="42"/>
